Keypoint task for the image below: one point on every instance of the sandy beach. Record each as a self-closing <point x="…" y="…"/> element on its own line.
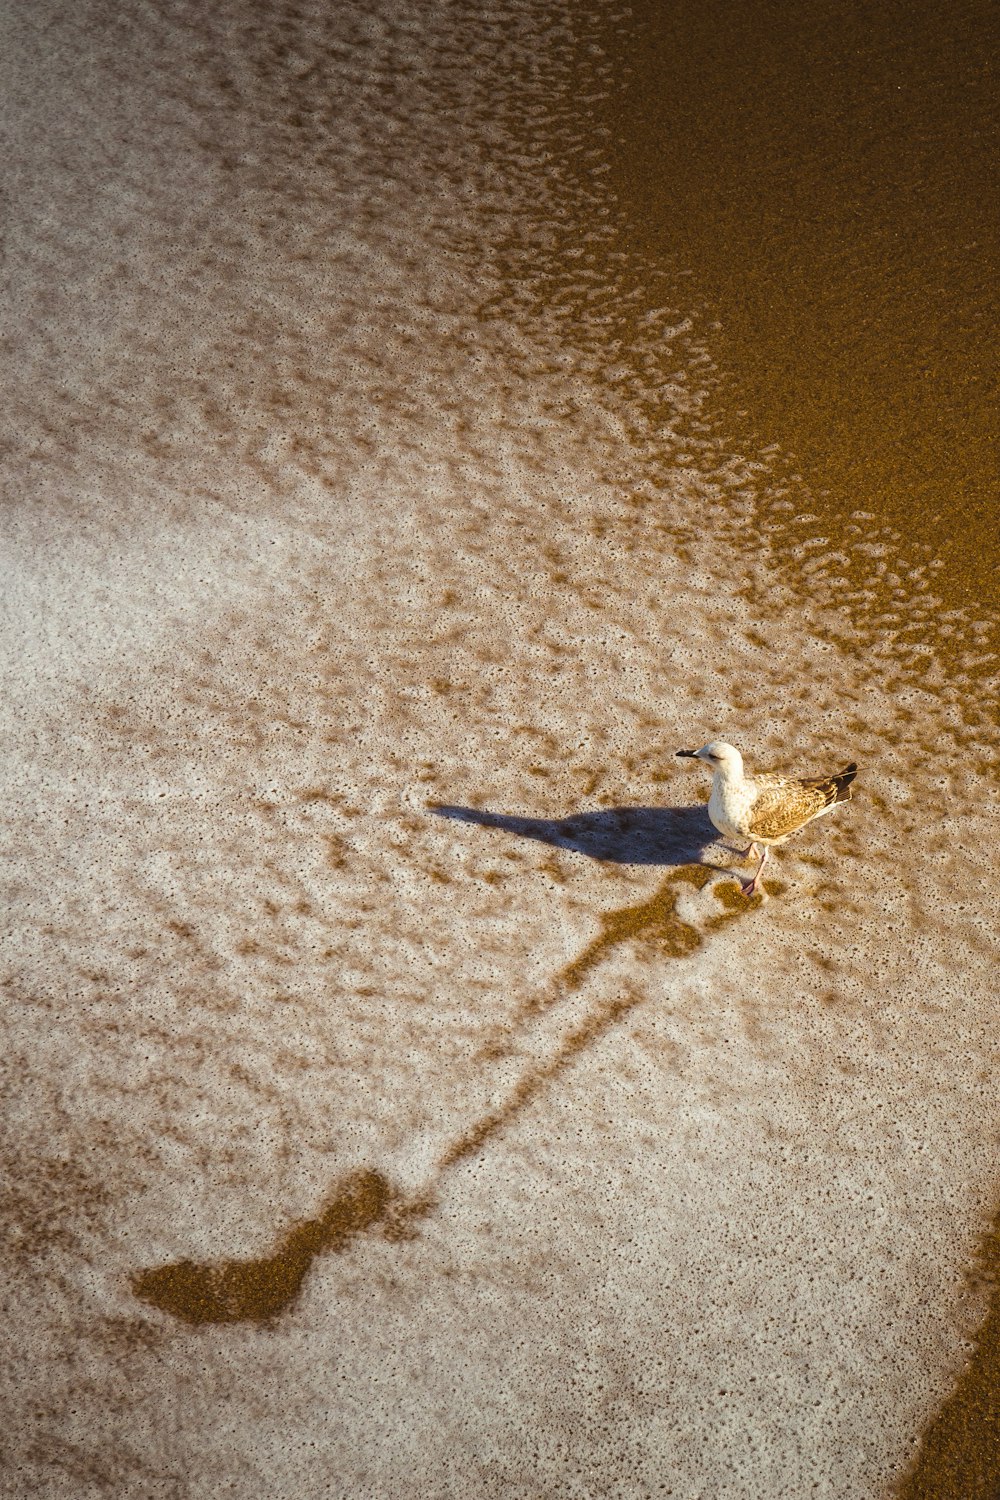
<point x="400" y="1097"/>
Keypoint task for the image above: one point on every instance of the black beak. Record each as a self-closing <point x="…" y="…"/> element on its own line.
<point x="692" y="753"/>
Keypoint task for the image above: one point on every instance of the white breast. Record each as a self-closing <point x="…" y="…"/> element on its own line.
<point x="729" y="806"/>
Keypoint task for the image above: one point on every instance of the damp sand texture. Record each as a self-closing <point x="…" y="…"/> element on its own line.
<point x="354" y="1143"/>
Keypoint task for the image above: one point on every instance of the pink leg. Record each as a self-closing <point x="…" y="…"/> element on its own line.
<point x="749" y="888"/>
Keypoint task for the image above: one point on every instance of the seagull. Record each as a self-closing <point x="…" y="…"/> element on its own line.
<point x="765" y="809"/>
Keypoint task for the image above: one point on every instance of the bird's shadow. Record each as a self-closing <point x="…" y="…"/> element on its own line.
<point x="618" y="835"/>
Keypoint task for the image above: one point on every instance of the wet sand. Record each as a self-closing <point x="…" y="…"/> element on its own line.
<point x="400" y="1097"/>
<point x="823" y="179"/>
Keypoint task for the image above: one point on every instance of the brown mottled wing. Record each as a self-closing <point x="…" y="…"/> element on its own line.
<point x="785" y="804"/>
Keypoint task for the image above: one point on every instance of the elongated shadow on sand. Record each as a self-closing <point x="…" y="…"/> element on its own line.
<point x="259" y="1290"/>
<point x="619" y="835"/>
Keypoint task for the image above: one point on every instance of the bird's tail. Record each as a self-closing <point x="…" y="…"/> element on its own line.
<point x="842" y="782"/>
<point x="836" y="788"/>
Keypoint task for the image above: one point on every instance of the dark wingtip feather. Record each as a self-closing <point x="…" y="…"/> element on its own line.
<point x="842" y="781"/>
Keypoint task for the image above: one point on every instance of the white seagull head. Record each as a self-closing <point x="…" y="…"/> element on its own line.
<point x="718" y="755"/>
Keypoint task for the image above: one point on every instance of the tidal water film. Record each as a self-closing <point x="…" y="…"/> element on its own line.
<point x="420" y="420"/>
